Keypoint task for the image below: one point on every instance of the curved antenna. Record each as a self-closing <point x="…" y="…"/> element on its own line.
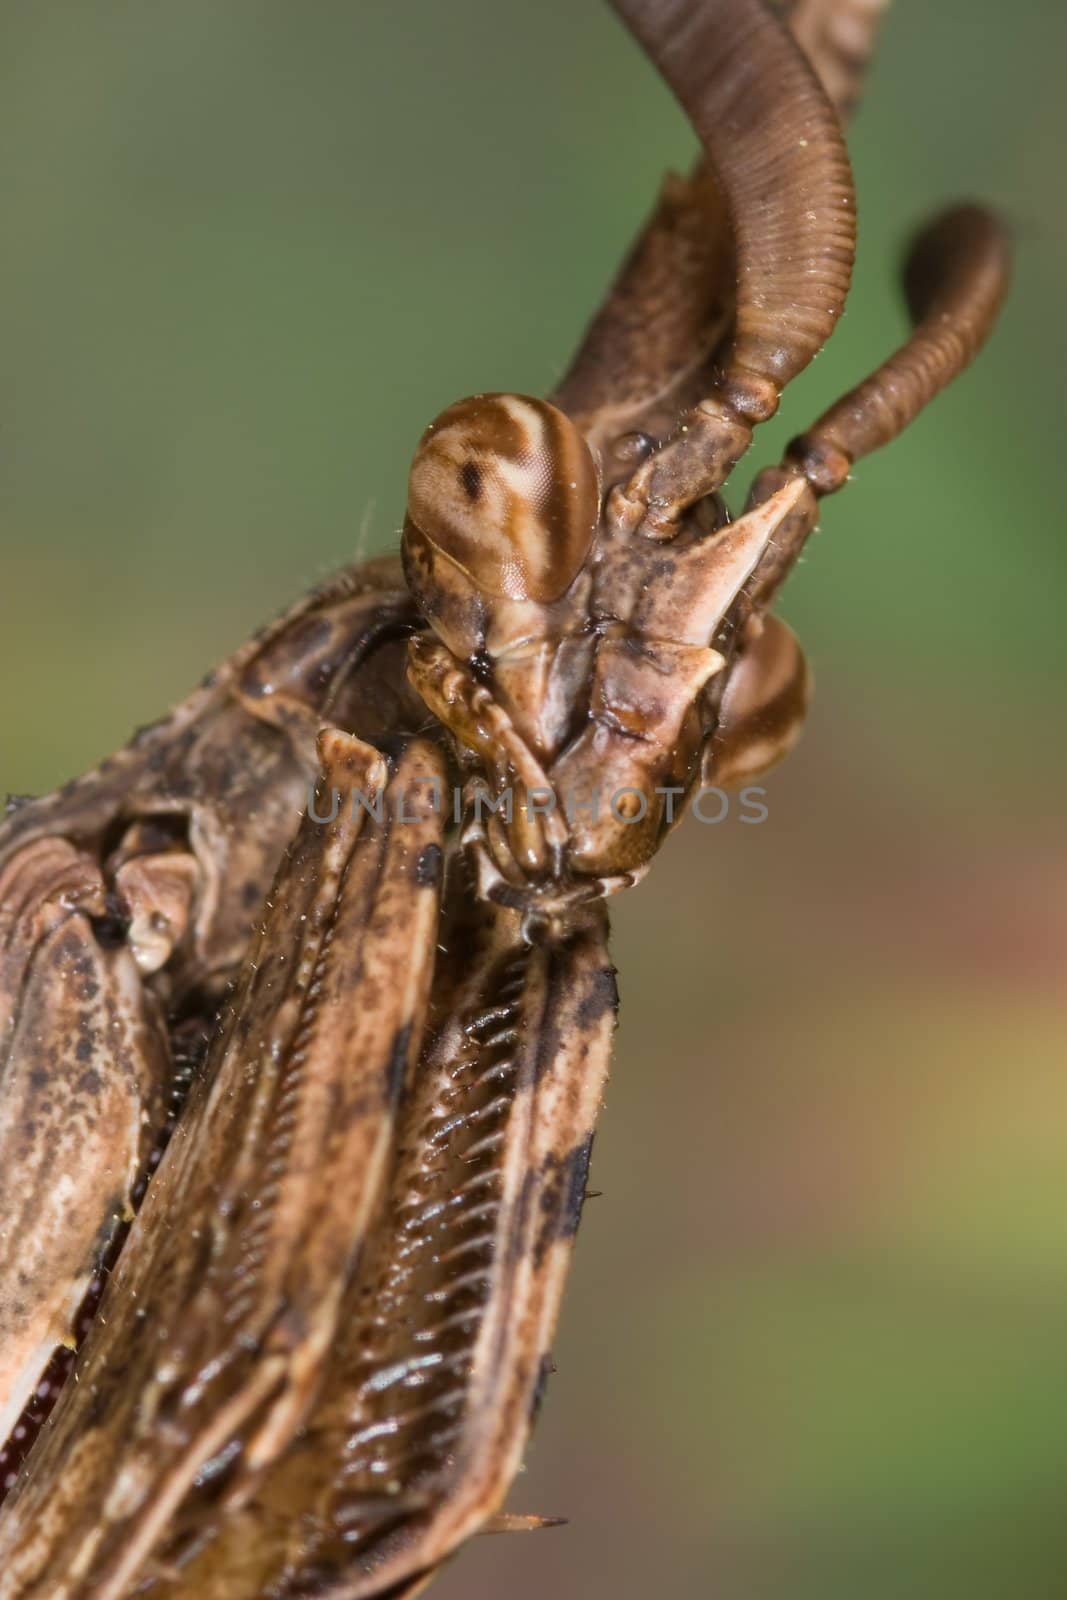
<point x="647" y="354"/>
<point x="955" y="278"/>
<point x="775" y="148"/>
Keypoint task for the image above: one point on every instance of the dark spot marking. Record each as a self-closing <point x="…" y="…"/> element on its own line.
<point x="90" y="1082"/>
<point x="67" y="949"/>
<point x="470" y="476"/>
<point x="522" y="1211"/>
<point x="576" y="1176"/>
<point x="562" y="1196"/>
<point x="549" y="1046"/>
<point x="251" y="895"/>
<point x="111" y="928"/>
<point x="396" y="1066"/>
<point x="481" y="665"/>
<point x="83" y="1050"/>
<point x="544" y="1372"/>
<point x="428" y="866"/>
<point x="603" y="997"/>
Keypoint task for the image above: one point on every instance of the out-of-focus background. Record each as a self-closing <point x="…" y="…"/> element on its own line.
<point x="816" y="1337"/>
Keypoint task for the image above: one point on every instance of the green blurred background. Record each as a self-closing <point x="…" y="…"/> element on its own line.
<point x="816" y="1339"/>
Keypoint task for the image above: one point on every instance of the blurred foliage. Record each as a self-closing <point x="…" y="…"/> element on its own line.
<point x="814" y="1341"/>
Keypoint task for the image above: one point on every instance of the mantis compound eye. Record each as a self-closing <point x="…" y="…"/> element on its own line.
<point x="507" y="488"/>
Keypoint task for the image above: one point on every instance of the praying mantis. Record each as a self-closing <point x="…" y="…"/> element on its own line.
<point x="306" y="1002"/>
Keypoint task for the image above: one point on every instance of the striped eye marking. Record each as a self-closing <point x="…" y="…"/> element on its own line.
<point x="507" y="488"/>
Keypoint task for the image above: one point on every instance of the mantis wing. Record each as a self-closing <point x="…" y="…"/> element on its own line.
<point x="431" y="1389"/>
<point x="127" y="901"/>
<point x="213" y="1338"/>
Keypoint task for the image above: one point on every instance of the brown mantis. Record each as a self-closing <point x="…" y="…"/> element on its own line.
<point x="353" y="1066"/>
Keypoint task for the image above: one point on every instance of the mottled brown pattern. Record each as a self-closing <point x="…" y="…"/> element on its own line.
<point x="427" y="1389"/>
<point x="505" y="487"/>
<point x="81" y="1078"/>
<point x="190" y="819"/>
<point x="227" y="1295"/>
<point x="324" y="1344"/>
